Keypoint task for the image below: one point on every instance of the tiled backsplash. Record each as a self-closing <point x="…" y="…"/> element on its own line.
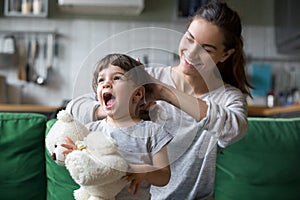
<point x="81" y="37"/>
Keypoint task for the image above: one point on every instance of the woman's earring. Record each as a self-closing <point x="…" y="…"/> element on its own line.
<point x="144" y="99"/>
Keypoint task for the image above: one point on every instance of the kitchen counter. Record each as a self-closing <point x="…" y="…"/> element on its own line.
<point x="49" y="111"/>
<point x="278" y="111"/>
<point x="253" y="111"/>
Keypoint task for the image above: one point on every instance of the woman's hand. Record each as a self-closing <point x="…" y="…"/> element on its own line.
<point x="157" y="90"/>
<point x="69" y="145"/>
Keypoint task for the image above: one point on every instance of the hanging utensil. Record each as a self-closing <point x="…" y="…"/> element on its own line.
<point x="28" y="68"/>
<point x="22" y="63"/>
<point x="42" y="70"/>
<point x="9" y="44"/>
<point x="3" y="90"/>
<point x="50" y="50"/>
<point x="34" y="56"/>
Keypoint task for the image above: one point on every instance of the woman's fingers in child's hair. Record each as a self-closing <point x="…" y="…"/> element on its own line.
<point x="148" y="105"/>
<point x="144" y="110"/>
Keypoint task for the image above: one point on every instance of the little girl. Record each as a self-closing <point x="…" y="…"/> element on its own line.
<point x="116" y="84"/>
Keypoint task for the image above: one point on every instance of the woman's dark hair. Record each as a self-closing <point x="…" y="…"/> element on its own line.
<point x="233" y="69"/>
<point x="123" y="61"/>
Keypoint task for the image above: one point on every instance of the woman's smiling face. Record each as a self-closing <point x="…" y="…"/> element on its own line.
<point x="202" y="41"/>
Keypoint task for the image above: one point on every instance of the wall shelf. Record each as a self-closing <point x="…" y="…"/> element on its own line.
<point x="15" y="8"/>
<point x="24" y="34"/>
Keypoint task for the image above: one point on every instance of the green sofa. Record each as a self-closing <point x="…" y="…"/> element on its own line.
<point x="27" y="171"/>
<point x="263" y="165"/>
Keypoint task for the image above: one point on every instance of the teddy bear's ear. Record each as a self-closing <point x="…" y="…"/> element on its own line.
<point x="64" y="116"/>
<point x="66" y="125"/>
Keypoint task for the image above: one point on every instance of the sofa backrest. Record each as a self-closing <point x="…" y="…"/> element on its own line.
<point x="22" y="160"/>
<point x="264" y="164"/>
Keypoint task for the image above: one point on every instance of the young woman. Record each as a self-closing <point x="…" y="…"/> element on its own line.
<point x="204" y="98"/>
<point x="142" y="143"/>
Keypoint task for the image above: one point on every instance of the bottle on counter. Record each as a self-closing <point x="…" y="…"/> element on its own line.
<point x="289" y="98"/>
<point x="270" y="99"/>
<point x="281" y="99"/>
<point x="296" y="96"/>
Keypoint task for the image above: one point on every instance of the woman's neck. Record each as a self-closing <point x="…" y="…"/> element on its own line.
<point x="189" y="84"/>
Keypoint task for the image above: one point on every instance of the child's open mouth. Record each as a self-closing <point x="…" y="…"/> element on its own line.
<point x="109" y="99"/>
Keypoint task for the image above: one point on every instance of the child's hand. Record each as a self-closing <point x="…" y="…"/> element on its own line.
<point x="70" y="146"/>
<point x="135" y="180"/>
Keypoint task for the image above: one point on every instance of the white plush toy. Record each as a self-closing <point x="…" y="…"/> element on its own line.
<point x="97" y="167"/>
<point x="64" y="127"/>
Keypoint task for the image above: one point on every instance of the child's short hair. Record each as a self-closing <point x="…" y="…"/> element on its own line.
<point x="123" y="61"/>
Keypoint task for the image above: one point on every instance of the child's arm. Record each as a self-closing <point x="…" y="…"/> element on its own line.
<point x="157" y="174"/>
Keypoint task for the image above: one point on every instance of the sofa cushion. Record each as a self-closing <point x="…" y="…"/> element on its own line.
<point x="22" y="168"/>
<point x="264" y="164"/>
<point x="60" y="184"/>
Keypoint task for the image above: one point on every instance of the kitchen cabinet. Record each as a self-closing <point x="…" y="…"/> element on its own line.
<point x="287" y="26"/>
<point x="25" y="8"/>
<point x="187" y="8"/>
